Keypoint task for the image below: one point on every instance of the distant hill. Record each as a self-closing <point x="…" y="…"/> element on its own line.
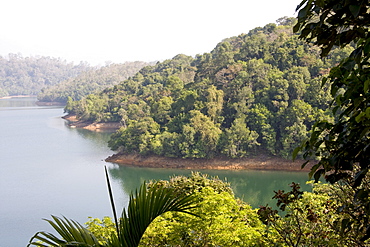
<point x="257" y="93"/>
<point x="28" y="75"/>
<point x="90" y="81"/>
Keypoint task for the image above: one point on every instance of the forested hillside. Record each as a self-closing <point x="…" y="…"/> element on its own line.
<point x="90" y="81"/>
<point x="255" y="93"/>
<point x="28" y="75"/>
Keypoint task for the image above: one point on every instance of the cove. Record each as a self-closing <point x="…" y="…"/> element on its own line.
<point x="48" y="168"/>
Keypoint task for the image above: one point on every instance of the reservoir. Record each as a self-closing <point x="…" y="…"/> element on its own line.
<point x="47" y="168"/>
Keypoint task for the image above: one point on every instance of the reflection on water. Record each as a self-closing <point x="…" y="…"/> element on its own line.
<point x="99" y="138"/>
<point x="21" y="103"/>
<point x="18" y="102"/>
<point x="254" y="187"/>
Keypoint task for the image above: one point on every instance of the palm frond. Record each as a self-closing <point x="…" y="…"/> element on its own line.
<point x="111" y="199"/>
<point x="71" y="234"/>
<point x="145" y="206"/>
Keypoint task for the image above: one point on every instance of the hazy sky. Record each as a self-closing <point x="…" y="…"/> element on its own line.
<point x="97" y="31"/>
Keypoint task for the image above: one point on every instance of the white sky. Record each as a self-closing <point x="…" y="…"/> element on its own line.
<point x="97" y="31"/>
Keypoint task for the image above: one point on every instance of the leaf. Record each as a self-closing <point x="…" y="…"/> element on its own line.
<point x="303" y="12"/>
<point x="296" y="28"/>
<point x="296" y="151"/>
<point x="147" y="204"/>
<point x="367" y="47"/>
<point x="359" y="177"/>
<point x="304" y="164"/>
<point x="361" y="194"/>
<point x="318" y="174"/>
<point x="367" y="112"/>
<point x="111" y="200"/>
<point x="301" y="4"/>
<point x="324" y="80"/>
<point x="313" y="170"/>
<point x="359" y="117"/>
<point x="71" y="232"/>
<point x="366" y="85"/>
<point x="355" y="10"/>
<point x="349" y="64"/>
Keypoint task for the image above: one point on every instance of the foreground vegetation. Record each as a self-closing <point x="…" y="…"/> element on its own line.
<point x="215" y="217"/>
<point x="342" y="146"/>
<point x="144" y="207"/>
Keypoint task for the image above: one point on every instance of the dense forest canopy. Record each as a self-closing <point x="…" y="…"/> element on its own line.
<point x="28" y="75"/>
<point x="255" y="93"/>
<point x="90" y="81"/>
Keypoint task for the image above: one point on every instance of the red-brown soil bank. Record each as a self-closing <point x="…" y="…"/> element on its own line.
<point x="252" y="163"/>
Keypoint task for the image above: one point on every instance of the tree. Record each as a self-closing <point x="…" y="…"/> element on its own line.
<point x="139" y="136"/>
<point x="144" y="207"/>
<point x="214" y="102"/>
<point x="310" y="218"/>
<point x="223" y="219"/>
<point x="201" y="136"/>
<point x="161" y="109"/>
<point x="342" y="146"/>
<point x="259" y="120"/>
<point x="238" y="141"/>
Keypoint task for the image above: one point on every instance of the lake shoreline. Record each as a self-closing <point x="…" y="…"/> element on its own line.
<point x="89" y="125"/>
<point x="260" y="162"/>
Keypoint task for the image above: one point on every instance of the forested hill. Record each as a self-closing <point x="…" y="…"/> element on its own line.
<point x="27" y="75"/>
<point x="255" y="93"/>
<point x="90" y="81"/>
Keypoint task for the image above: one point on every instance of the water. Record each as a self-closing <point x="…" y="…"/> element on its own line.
<point x="48" y="169"/>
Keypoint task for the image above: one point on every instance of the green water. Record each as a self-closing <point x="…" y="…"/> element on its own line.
<point x="254" y="187"/>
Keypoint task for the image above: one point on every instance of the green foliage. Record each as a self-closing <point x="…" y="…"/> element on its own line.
<point x="239" y="139"/>
<point x="144" y="206"/>
<point x="147" y="205"/>
<point x="214" y="217"/>
<point x="71" y="234"/>
<point x="138" y="135"/>
<point x="311" y="218"/>
<point x="195" y="183"/>
<point x="201" y="136"/>
<point x="102" y="229"/>
<point x="223" y="220"/>
<point x="254" y="93"/>
<point x="342" y="146"/>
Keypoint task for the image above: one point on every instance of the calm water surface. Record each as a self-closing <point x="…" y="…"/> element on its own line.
<point x="48" y="169"/>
